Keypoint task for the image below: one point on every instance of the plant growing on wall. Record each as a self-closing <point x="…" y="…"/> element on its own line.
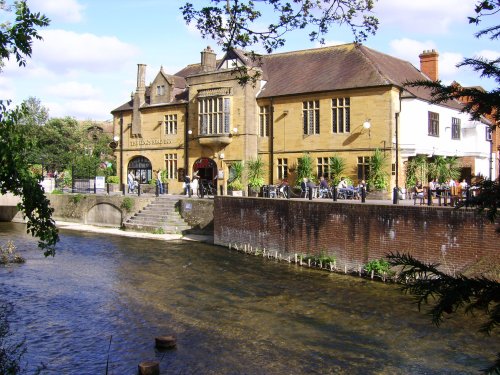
<point x="337" y="168"/>
<point x="255" y="173"/>
<point x="378" y="178"/>
<point x="127" y="204"/>
<point x="304" y="168"/>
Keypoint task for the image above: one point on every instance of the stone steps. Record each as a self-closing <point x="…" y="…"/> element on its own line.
<point x="159" y="215"/>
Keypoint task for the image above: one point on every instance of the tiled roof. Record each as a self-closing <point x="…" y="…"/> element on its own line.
<point x="340" y="67"/>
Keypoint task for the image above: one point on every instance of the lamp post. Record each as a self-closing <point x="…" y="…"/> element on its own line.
<point x="367" y="125"/>
<point x="118" y="138"/>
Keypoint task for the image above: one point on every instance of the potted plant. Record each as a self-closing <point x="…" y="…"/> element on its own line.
<point x="235" y="186"/>
<point x="378" y="179"/>
<point x="255" y="175"/>
<point x="337" y="168"/>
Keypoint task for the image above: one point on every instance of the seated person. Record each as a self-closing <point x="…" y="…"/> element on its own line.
<point x="323" y="187"/>
<point x="283" y="187"/>
<point x="419" y="190"/>
<point x="342" y="184"/>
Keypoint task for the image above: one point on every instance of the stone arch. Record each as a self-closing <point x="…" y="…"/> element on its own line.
<point x="105" y="214"/>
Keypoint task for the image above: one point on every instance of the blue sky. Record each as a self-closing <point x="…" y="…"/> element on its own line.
<point x="86" y="65"/>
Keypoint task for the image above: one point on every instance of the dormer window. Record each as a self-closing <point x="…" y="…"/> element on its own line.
<point x="160" y="90"/>
<point x="230" y="64"/>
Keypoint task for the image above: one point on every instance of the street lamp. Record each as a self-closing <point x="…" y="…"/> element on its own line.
<point x="367" y="125"/>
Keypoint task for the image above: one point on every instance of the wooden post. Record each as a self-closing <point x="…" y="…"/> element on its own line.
<point x="149" y="368"/>
<point x="372" y="274"/>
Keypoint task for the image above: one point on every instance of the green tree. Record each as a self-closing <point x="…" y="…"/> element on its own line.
<point x="235" y="24"/>
<point x="446" y="293"/>
<point x="238" y="23"/>
<point x="378" y="177"/>
<point x="255" y="173"/>
<point x="443" y="168"/>
<point x="16" y="178"/>
<point x="416" y="170"/>
<point x="337" y="168"/>
<point x="16" y="40"/>
<point x="304" y="168"/>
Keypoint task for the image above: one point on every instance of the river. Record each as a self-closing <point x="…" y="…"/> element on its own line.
<point x="232" y="313"/>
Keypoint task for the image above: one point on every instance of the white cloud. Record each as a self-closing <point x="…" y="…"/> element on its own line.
<point x="70" y="11"/>
<point x="81" y="109"/>
<point x="73" y="89"/>
<point x="409" y="49"/>
<point x="448" y="64"/>
<point x="424" y="16"/>
<point x="64" y="51"/>
<point x="487" y="54"/>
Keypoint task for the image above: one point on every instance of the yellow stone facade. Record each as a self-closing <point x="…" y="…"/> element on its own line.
<point x="240" y="139"/>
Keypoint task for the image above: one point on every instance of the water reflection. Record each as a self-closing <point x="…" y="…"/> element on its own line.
<point x="233" y="314"/>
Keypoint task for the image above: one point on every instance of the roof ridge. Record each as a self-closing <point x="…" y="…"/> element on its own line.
<point x="310" y="50"/>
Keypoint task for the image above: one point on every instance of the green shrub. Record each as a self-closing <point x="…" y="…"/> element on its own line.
<point x="57" y="191"/>
<point x="76" y="198"/>
<point x="159" y="231"/>
<point x="127" y="204"/>
<point x="379" y="267"/>
<point x="113" y="180"/>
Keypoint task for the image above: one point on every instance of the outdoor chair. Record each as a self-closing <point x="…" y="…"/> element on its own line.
<point x="272" y="191"/>
<point x="420" y="196"/>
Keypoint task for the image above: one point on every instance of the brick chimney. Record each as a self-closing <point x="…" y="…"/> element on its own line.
<point x="429" y="64"/>
<point x="208" y="60"/>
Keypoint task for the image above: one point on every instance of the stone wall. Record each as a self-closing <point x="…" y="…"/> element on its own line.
<point x="199" y="214"/>
<point x="460" y="240"/>
<point x="94" y="209"/>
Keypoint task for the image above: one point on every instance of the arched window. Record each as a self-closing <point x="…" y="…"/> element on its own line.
<point x="141" y="169"/>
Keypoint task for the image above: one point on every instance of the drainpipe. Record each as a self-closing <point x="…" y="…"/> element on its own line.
<point x="186" y="141"/>
<point x="271" y="144"/>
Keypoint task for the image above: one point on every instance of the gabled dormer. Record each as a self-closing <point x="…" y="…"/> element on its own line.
<point x="233" y="59"/>
<point x="161" y="89"/>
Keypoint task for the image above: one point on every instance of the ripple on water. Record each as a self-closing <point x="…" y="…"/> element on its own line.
<point x="233" y="314"/>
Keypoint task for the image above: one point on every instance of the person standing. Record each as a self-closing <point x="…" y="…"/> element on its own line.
<point x="130" y="181"/>
<point x="194" y="184"/>
<point x="187" y="182"/>
<point x="159" y="181"/>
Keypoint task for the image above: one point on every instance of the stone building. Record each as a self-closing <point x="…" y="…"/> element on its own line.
<point x="345" y="100"/>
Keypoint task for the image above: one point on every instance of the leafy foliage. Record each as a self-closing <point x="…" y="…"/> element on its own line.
<point x="237" y="24"/>
<point x="16" y="178"/>
<point x="255" y="173"/>
<point x="416" y="170"/>
<point x="479" y="102"/>
<point x="443" y="168"/>
<point x="488" y="201"/>
<point x="236" y="175"/>
<point x="337" y="168"/>
<point x="378" y="177"/>
<point x="379" y="267"/>
<point x="450" y="293"/>
<point x="16" y="37"/>
<point x="304" y="168"/>
<point x="127" y="204"/>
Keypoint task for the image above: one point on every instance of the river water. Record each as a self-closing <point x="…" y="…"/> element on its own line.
<point x="232" y="313"/>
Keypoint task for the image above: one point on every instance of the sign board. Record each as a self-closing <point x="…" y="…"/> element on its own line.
<point x="100" y="182"/>
<point x="220" y="174"/>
